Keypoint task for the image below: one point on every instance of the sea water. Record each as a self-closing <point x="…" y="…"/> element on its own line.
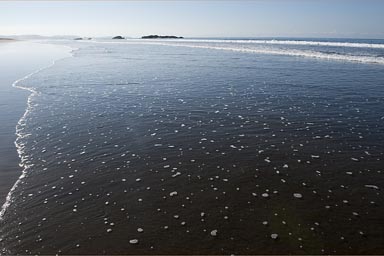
<point x="202" y="146"/>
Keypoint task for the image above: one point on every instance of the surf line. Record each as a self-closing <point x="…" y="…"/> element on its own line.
<point x="19" y="125"/>
<point x="294" y="53"/>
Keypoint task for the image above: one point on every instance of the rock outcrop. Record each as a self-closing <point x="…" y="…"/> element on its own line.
<point x="161" y="37"/>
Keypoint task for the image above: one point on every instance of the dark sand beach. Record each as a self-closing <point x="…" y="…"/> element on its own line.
<point x="141" y="148"/>
<point x="192" y="127"/>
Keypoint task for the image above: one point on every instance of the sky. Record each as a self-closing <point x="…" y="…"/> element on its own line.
<point x="200" y="18"/>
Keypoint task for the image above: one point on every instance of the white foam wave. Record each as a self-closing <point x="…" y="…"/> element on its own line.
<point x="260" y="41"/>
<point x="289" y="42"/>
<point x="20" y="135"/>
<point x="248" y="42"/>
<point x="286" y="52"/>
<point x="235" y="46"/>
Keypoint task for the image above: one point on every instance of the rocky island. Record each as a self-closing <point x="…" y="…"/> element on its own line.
<point x="83" y="38"/>
<point x="118" y="37"/>
<point x="161" y="37"/>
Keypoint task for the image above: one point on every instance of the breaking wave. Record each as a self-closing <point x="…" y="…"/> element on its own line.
<point x="286" y="52"/>
<point x="292" y="42"/>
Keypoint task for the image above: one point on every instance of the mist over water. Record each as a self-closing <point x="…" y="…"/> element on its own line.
<point x="140" y="148"/>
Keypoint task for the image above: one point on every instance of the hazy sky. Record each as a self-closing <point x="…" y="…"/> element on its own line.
<point x="300" y="18"/>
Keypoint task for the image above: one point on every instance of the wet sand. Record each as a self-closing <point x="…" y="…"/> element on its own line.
<point x="18" y="59"/>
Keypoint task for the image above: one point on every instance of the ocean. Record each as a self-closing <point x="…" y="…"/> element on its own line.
<point x="202" y="146"/>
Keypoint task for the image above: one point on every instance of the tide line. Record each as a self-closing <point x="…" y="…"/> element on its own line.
<point x="20" y="135"/>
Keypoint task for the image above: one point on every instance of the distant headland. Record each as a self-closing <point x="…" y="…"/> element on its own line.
<point x="161" y="37"/>
<point x="118" y="37"/>
<point x="6" y="39"/>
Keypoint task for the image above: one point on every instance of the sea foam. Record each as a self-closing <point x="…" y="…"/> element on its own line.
<point x="291" y="42"/>
<point x="286" y="52"/>
<point x="270" y="47"/>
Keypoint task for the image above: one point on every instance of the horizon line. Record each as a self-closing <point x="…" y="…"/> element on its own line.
<point x="193" y="37"/>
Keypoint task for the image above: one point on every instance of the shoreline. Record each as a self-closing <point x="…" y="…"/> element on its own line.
<point x="27" y="59"/>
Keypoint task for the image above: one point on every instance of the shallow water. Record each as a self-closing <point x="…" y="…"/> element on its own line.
<point x="201" y="151"/>
<point x="17" y="59"/>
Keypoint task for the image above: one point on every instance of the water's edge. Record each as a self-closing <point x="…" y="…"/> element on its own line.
<point x="19" y="146"/>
